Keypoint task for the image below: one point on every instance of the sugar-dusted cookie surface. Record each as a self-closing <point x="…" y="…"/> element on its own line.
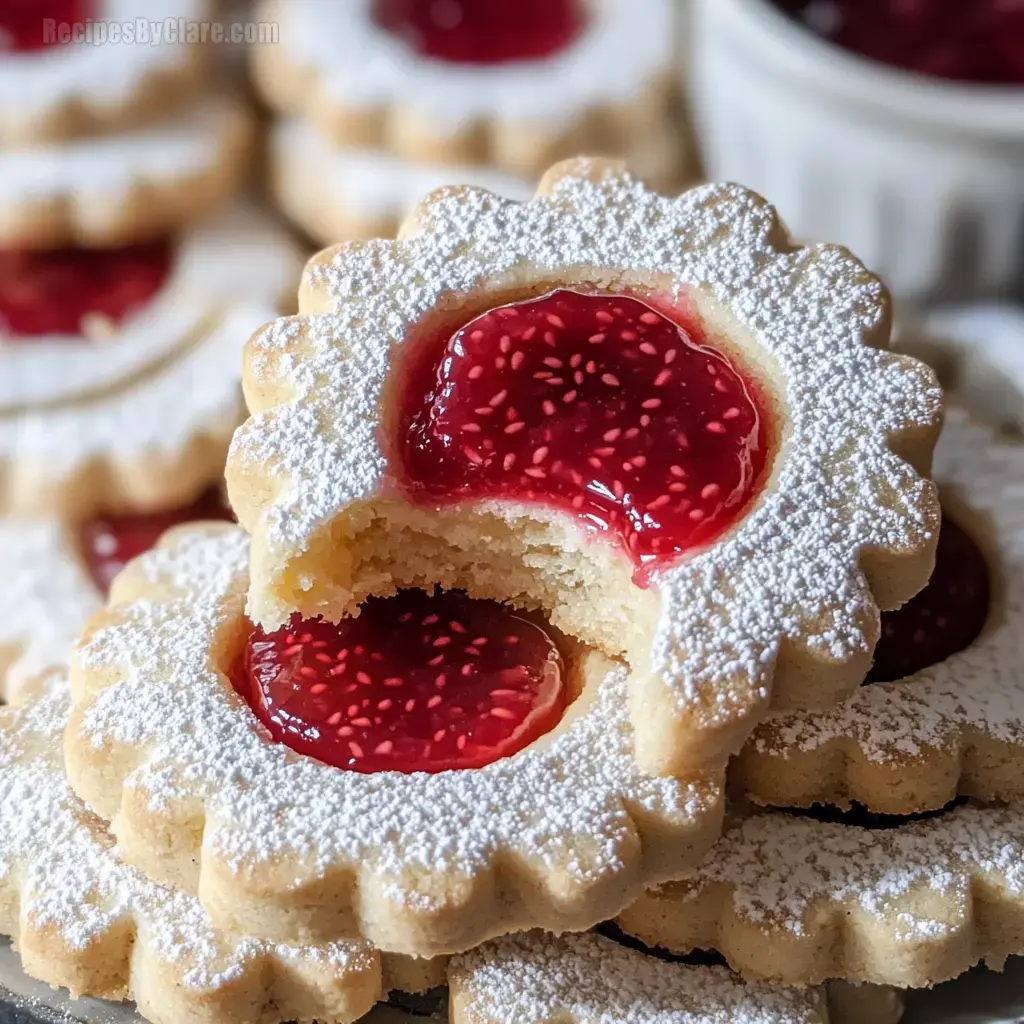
<point x="561" y="834"/>
<point x="817" y="521"/>
<point x="335" y="193"/>
<point x="956" y="726"/>
<point x="127" y="187"/>
<point x="363" y="83"/>
<point x="132" y="404"/>
<point x="577" y="978"/>
<point x="796" y="901"/>
<point x="71" y="68"/>
<point x="83" y="920"/>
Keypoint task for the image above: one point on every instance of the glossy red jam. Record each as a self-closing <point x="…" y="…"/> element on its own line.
<point x="483" y="31"/>
<point x="27" y="25"/>
<point x="416" y="683"/>
<point x="964" y="40"/>
<point x="944" y="618"/>
<point x="108" y="543"/>
<point x="78" y="291"/>
<point x="595" y="404"/>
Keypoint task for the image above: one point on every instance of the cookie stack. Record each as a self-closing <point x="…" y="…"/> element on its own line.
<point x="549" y="511"/>
<point x="382" y="101"/>
<point x="129" y="278"/>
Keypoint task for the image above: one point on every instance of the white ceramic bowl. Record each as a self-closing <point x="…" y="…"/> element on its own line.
<point x="922" y="178"/>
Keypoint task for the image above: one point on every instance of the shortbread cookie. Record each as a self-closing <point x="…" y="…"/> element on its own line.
<point x="588" y="978"/>
<point x="69" y="68"/>
<point x="56" y="576"/>
<point x="119" y="369"/>
<point x="683" y="455"/>
<point x="380" y="74"/>
<point x="83" y="920"/>
<point x="115" y="189"/>
<point x="796" y="901"/>
<point x="561" y="831"/>
<point x="956" y="724"/>
<point x="336" y="193"/>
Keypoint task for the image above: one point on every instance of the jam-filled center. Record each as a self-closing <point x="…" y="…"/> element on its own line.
<point x="964" y="40"/>
<point x="944" y="618"/>
<point x="416" y="683"/>
<point x="108" y="543"/>
<point x="29" y="25"/>
<point x="596" y="404"/>
<point x="483" y="31"/>
<point x="78" y="292"/>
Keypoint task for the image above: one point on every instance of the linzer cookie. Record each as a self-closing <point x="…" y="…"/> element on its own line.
<point x="56" y="575"/>
<point x="124" y="188"/>
<point x="500" y="82"/>
<point x="75" y="66"/>
<point x="433" y="773"/>
<point x="796" y="901"/>
<point x="119" y="368"/>
<point x="653" y="419"/>
<point x="582" y="978"/>
<point x="83" y="920"/>
<point x="336" y="193"/>
<point x="942" y="710"/>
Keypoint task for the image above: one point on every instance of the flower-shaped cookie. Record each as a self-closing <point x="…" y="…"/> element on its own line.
<point x="796" y="901"/>
<point x="56" y="576"/>
<point x="123" y="391"/>
<point x="72" y="66"/>
<point x="588" y="978"/>
<point x="560" y="834"/>
<point x="83" y="920"/>
<point x="115" y="189"/>
<point x="387" y="75"/>
<point x="955" y="726"/>
<point x="653" y="418"/>
<point x="335" y="193"/>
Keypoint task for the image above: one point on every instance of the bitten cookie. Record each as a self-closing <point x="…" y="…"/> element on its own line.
<point x="54" y="86"/>
<point x="304" y="782"/>
<point x="119" y="369"/>
<point x="796" y="901"/>
<point x="129" y="187"/>
<point x="652" y="418"/>
<point x="337" y="193"/>
<point x="513" y="85"/>
<point x="56" y="576"/>
<point x="943" y="711"/>
<point x="83" y="920"/>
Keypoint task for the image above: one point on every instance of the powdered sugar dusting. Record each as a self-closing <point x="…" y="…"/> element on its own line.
<point x="588" y="978"/>
<point x="563" y="810"/>
<point x="789" y="570"/>
<point x="170" y="377"/>
<point x="46" y="597"/>
<point x="980" y="688"/>
<point x="60" y="862"/>
<point x="356" y="64"/>
<point x="879" y="872"/>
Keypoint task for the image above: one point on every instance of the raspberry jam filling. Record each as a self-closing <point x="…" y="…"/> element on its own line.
<point x="965" y="40"/>
<point x="108" y="543"/>
<point x="28" y="25"/>
<point x="944" y="618"/>
<point x="596" y="404"/>
<point x="483" y="31"/>
<point x="416" y="683"/>
<point x="78" y="291"/>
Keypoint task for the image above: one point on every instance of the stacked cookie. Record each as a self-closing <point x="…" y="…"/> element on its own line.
<point x="129" y="275"/>
<point x="383" y="100"/>
<point x="548" y="511"/>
